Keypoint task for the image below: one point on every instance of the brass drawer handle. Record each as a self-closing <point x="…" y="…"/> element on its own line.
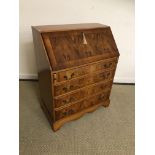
<point x="64" y="101"/>
<point x="72" y="75"/>
<point x="69" y="76"/>
<point x="68" y="100"/>
<point x="68" y="112"/>
<point x="101" y="97"/>
<point x="105" y="75"/>
<point x="65" y="77"/>
<point x="107" y="65"/>
<point x="81" y="72"/>
<point x="65" y="89"/>
<point x="71" y="111"/>
<point x="64" y="113"/>
<point x="68" y="88"/>
<point x="102" y="75"/>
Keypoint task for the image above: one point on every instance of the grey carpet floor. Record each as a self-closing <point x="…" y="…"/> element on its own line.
<point x="106" y="131"/>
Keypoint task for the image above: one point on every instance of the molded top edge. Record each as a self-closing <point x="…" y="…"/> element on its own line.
<point x="67" y="27"/>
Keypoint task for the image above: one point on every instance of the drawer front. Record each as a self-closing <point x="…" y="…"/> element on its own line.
<point x="67" y="75"/>
<point x="84" y="92"/>
<point x="74" y="73"/>
<point x="81" y="82"/>
<point x="79" y="106"/>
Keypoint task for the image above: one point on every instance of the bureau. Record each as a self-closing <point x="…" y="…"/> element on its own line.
<point x="76" y="67"/>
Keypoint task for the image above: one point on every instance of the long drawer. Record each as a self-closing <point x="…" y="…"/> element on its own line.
<point x="74" y="73"/>
<point x="82" y="82"/>
<point x="81" y="105"/>
<point x="83" y="92"/>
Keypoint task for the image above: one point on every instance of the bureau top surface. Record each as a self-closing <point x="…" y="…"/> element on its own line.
<point x="65" y="27"/>
<point x="73" y="45"/>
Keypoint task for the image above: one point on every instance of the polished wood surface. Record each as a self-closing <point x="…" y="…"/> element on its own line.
<point x="76" y="68"/>
<point x="78" y="47"/>
<point x="81" y="104"/>
<point x="67" y="27"/>
<point x="83" y="81"/>
<point x="66" y="99"/>
<point x="85" y="69"/>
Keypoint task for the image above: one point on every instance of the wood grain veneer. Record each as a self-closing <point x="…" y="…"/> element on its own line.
<point x="76" y="67"/>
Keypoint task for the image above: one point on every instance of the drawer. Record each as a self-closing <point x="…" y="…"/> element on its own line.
<point x="81" y="105"/>
<point x="70" y="74"/>
<point x="74" y="73"/>
<point x="81" y="82"/>
<point x="84" y="92"/>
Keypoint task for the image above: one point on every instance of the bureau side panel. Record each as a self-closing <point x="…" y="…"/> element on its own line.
<point x="44" y="74"/>
<point x="40" y="51"/>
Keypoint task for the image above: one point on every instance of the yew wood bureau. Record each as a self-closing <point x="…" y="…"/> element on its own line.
<point x="76" y="67"/>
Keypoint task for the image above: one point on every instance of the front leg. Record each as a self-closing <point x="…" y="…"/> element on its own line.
<point x="106" y="103"/>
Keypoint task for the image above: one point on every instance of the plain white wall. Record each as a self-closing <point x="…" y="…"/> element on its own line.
<point x="119" y="14"/>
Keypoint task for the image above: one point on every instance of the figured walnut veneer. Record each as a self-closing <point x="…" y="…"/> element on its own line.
<point x="76" y="67"/>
